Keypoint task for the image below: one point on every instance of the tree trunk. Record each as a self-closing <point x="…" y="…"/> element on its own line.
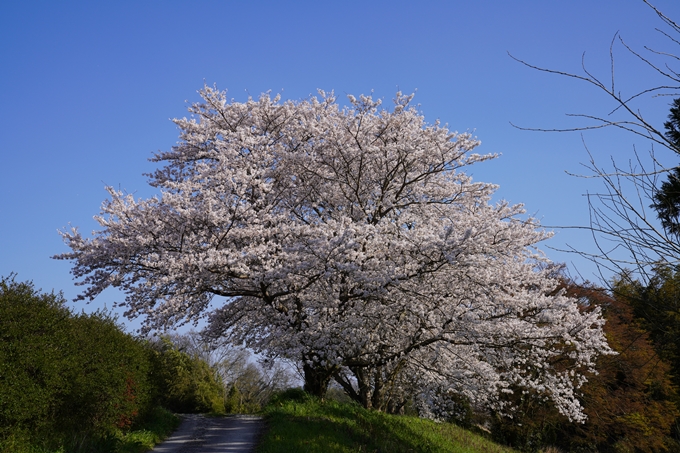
<point x="375" y="386"/>
<point x="317" y="380"/>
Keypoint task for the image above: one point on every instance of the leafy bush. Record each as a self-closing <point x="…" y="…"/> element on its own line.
<point x="108" y="378"/>
<point x="150" y="430"/>
<point x="295" y="395"/>
<point x="33" y="338"/>
<point x="65" y="380"/>
<point x="186" y="384"/>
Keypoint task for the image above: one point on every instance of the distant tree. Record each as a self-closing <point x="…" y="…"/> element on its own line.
<point x="246" y="391"/>
<point x="631" y="402"/>
<point x="657" y="305"/>
<point x="248" y="384"/>
<point x="187" y="384"/>
<point x="345" y="239"/>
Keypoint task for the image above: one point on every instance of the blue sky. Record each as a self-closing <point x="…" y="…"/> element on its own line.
<point x="87" y="91"/>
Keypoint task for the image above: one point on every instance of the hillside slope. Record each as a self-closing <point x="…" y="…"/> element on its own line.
<point x="307" y="425"/>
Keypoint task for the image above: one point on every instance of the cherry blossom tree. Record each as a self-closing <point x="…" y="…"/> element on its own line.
<point x="347" y="239"/>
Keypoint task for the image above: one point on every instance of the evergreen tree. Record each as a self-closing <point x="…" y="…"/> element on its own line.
<point x="667" y="198"/>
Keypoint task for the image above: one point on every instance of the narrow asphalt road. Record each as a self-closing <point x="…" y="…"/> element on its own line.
<point x="201" y="434"/>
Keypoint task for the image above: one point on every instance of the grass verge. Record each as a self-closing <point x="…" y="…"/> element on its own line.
<point x="308" y="425"/>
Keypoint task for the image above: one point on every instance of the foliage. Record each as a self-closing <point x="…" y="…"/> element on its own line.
<point x="74" y="383"/>
<point x="34" y="329"/>
<point x="65" y="379"/>
<point x="248" y="384"/>
<point x="252" y="386"/>
<point x="149" y="431"/>
<point x="667" y="202"/>
<point x="667" y="197"/>
<point x="186" y="384"/>
<point x="107" y="377"/>
<point x="630" y="403"/>
<point x="244" y="392"/>
<point x="656" y="304"/>
<point x="298" y="422"/>
<point x="348" y="240"/>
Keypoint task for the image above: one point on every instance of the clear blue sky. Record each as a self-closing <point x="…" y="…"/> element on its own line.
<point x="87" y="90"/>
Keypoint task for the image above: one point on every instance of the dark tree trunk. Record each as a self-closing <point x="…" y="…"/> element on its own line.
<point x="375" y="386"/>
<point x="364" y="383"/>
<point x="317" y="380"/>
<point x="377" y="399"/>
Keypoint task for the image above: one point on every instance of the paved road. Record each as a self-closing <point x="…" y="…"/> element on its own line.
<point x="200" y="434"/>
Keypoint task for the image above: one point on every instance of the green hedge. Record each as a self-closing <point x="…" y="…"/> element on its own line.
<point x="78" y="382"/>
<point x="66" y="379"/>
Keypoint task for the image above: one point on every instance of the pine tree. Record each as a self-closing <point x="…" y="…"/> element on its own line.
<point x="667" y="198"/>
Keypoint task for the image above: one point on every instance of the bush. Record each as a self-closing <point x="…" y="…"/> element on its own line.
<point x="296" y="395"/>
<point x="186" y="384"/>
<point x="65" y="380"/>
<point x="108" y="378"/>
<point x="34" y="331"/>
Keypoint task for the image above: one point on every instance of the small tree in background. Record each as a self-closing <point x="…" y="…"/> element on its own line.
<point x="187" y="384"/>
<point x="248" y="384"/>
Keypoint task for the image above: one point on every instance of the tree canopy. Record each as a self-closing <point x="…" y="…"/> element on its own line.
<point x="347" y="239"/>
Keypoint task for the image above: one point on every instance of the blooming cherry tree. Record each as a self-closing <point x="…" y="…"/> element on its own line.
<point x="347" y="239"/>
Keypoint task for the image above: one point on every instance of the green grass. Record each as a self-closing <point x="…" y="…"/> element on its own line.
<point x="308" y="425"/>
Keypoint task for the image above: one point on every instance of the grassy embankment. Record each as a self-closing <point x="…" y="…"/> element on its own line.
<point x="308" y="425"/>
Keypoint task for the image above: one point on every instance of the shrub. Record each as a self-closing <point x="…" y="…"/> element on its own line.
<point x="65" y="380"/>
<point x="186" y="384"/>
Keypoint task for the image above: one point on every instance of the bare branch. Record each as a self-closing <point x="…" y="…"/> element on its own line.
<point x="625" y="233"/>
